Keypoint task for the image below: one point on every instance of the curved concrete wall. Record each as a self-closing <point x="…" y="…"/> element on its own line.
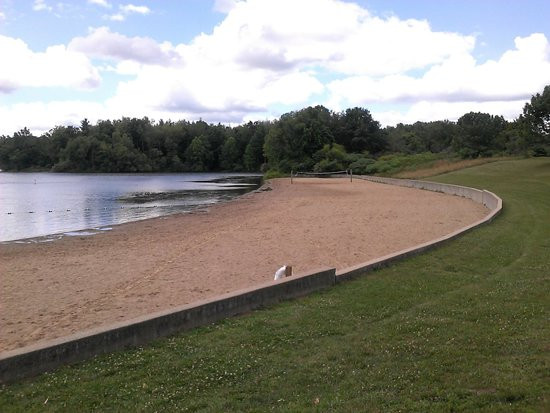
<point x="35" y="359"/>
<point x="490" y="200"/>
<point x="484" y="197"/>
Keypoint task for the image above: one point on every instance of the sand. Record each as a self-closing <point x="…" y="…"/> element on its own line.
<point x="50" y="290"/>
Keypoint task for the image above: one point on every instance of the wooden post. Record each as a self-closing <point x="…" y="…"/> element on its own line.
<point x="351" y="175"/>
<point x="288" y="271"/>
<point x="291" y="176"/>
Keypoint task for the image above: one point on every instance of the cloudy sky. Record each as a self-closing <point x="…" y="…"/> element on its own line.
<point x="232" y="61"/>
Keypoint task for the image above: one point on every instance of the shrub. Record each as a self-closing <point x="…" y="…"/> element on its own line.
<point x="363" y="166"/>
<point x="273" y="173"/>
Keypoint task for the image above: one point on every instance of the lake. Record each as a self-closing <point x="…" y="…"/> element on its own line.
<point x="43" y="204"/>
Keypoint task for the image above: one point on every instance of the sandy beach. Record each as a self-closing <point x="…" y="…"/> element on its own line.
<point x="50" y="290"/>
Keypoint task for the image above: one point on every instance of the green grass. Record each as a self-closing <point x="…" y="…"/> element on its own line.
<point x="389" y="165"/>
<point x="465" y="327"/>
<point x="441" y="166"/>
<point x="272" y="174"/>
<point x="422" y="165"/>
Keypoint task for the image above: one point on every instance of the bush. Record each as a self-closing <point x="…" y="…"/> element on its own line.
<point x="391" y="164"/>
<point x="540" y="150"/>
<point x="326" y="165"/>
<point x="273" y="173"/>
<point x="363" y="166"/>
<point x="332" y="158"/>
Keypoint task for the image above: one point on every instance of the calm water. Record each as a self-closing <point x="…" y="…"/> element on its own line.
<point x="41" y="204"/>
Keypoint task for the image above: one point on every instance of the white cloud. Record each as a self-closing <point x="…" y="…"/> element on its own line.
<point x="127" y="9"/>
<point x="40" y="5"/>
<point x="426" y="111"/>
<point x="516" y="75"/>
<point x="116" y="17"/>
<point x="2" y="15"/>
<point x="206" y="90"/>
<point x="224" y="6"/>
<point x="57" y="66"/>
<point x="338" y="36"/>
<point x="102" y="3"/>
<point x="267" y="52"/>
<point x="130" y="8"/>
<point x="102" y="42"/>
<point x="128" y="68"/>
<point x="273" y="53"/>
<point x="39" y="117"/>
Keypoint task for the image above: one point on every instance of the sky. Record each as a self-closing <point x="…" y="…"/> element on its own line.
<point x="234" y="61"/>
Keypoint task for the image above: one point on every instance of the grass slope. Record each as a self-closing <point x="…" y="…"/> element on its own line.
<point x="462" y="328"/>
<point x="442" y="166"/>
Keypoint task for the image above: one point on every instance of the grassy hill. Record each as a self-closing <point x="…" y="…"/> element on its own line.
<point x="465" y="327"/>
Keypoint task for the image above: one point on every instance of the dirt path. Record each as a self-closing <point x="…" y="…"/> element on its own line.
<point x="54" y="289"/>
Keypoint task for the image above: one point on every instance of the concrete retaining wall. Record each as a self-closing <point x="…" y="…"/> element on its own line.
<point x="490" y="200"/>
<point x="35" y="359"/>
<point x="464" y="191"/>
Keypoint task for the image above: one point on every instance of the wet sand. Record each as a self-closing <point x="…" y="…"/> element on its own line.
<point x="50" y="290"/>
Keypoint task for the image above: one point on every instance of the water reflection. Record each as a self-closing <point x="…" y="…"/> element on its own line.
<point x="39" y="204"/>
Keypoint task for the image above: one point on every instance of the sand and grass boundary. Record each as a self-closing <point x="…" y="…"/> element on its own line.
<point x="34" y="359"/>
<point x="487" y="198"/>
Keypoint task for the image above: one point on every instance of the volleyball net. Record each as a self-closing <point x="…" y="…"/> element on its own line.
<point x="348" y="173"/>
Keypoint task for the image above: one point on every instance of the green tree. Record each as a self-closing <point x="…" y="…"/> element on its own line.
<point x="230" y="157"/>
<point x="536" y="121"/>
<point x="277" y="148"/>
<point x="103" y="131"/>
<point x="216" y="136"/>
<point x="253" y="157"/>
<point x="198" y="155"/>
<point x="478" y="135"/>
<point x="421" y="137"/>
<point x="24" y="151"/>
<point x="292" y="141"/>
<point x="357" y="131"/>
<point x="85" y="127"/>
<point x="135" y="129"/>
<point x="58" y="138"/>
<point x="78" y="155"/>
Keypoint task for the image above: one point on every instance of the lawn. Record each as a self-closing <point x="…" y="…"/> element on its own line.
<point x="465" y="327"/>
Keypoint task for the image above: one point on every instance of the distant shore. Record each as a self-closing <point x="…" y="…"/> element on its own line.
<point x="53" y="289"/>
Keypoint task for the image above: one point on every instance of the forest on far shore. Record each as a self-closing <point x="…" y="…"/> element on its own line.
<point x="310" y="139"/>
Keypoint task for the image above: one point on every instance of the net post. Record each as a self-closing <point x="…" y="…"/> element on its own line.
<point x="291" y="176"/>
<point x="351" y="175"/>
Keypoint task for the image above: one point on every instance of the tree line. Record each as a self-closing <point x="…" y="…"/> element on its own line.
<point x="313" y="138"/>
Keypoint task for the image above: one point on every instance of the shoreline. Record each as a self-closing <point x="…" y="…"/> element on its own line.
<point x="223" y="186"/>
<point x="145" y="266"/>
<point x="109" y="227"/>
